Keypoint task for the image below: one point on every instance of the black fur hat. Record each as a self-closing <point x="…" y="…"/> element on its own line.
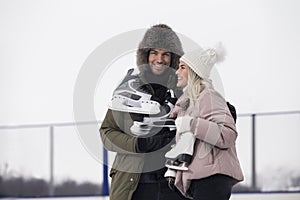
<point x="159" y="36"/>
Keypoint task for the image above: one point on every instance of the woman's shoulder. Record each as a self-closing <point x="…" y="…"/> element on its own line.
<point x="210" y="96"/>
<point x="210" y="91"/>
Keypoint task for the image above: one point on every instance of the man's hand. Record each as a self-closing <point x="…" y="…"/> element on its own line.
<point x="155" y="142"/>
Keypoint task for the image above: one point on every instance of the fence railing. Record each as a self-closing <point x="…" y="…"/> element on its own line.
<point x="105" y="185"/>
<point x="253" y="117"/>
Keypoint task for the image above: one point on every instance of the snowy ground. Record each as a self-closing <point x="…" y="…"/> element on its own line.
<point x="262" y="196"/>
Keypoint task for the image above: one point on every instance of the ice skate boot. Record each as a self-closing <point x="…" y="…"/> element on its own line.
<point x="180" y="156"/>
<point x="128" y="97"/>
<point x="170" y="176"/>
<point x="161" y="120"/>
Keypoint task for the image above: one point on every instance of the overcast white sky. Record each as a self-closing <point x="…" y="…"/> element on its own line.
<point x="43" y="44"/>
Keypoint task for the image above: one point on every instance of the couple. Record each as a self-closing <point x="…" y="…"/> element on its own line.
<point x="139" y="126"/>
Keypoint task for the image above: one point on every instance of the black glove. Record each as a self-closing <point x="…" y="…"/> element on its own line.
<point x="155" y="142"/>
<point x="232" y="110"/>
<point x="171" y="97"/>
<point x="169" y="103"/>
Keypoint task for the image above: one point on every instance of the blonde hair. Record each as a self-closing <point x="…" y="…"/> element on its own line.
<point x="195" y="84"/>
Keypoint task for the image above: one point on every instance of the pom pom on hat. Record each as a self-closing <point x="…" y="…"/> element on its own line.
<point x="202" y="61"/>
<point x="220" y="51"/>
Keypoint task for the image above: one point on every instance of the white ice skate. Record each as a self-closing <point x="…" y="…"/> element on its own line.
<point x="144" y="127"/>
<point x="128" y="98"/>
<point x="160" y="120"/>
<point x="180" y="156"/>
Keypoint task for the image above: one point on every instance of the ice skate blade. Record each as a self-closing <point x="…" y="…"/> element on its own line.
<point x="182" y="158"/>
<point x="179" y="167"/>
<point x="119" y="103"/>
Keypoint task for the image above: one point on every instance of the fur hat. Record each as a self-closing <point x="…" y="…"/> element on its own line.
<point x="159" y="36"/>
<point x="202" y="61"/>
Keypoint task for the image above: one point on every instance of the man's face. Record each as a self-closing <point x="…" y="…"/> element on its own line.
<point x="159" y="60"/>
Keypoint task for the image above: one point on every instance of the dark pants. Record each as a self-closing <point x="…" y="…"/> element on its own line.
<point x="156" y="191"/>
<point x="215" y="187"/>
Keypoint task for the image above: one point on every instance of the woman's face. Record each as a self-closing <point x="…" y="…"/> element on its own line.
<point x="182" y="74"/>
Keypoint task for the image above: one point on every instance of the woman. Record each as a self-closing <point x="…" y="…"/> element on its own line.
<point x="202" y="111"/>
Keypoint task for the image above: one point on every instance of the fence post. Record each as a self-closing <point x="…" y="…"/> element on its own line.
<point x="51" y="186"/>
<point x="253" y="186"/>
<point x="105" y="185"/>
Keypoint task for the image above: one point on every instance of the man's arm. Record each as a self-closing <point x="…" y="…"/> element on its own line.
<point x="113" y="137"/>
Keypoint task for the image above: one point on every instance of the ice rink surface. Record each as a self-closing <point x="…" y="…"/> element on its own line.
<point x="248" y="196"/>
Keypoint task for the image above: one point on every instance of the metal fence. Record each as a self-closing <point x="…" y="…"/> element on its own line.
<point x="253" y="129"/>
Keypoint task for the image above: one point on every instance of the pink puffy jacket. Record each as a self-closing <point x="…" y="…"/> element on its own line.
<point x="216" y="134"/>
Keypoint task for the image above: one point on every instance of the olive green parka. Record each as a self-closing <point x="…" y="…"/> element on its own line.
<point x="115" y="129"/>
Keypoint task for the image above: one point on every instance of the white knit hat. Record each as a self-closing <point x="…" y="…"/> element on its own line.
<point x="202" y="61"/>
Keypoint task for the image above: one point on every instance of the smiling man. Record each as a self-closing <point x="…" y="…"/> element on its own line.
<point x="138" y="169"/>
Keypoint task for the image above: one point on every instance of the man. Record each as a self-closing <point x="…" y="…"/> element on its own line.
<point x="138" y="169"/>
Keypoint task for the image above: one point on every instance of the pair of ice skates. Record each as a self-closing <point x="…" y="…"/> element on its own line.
<point x="130" y="96"/>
